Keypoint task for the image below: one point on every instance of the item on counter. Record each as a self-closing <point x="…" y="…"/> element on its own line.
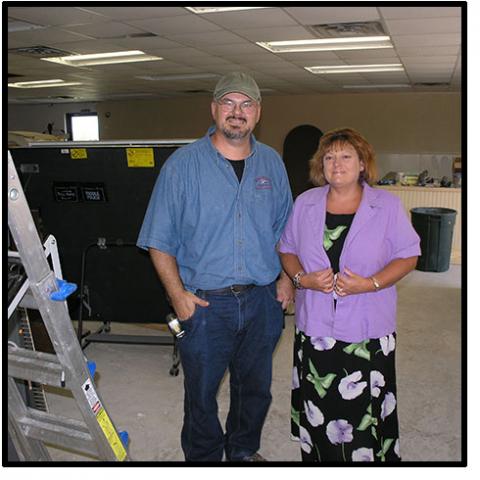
<point x="389" y="179"/>
<point x="409" y="179"/>
<point x="423" y="179"/>
<point x="445" y="182"/>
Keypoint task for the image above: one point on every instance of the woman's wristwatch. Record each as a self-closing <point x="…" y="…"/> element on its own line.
<point x="375" y="283"/>
<point x="296" y="280"/>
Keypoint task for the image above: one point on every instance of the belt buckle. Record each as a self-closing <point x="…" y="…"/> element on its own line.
<point x="235" y="289"/>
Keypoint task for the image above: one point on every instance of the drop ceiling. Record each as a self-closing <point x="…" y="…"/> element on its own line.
<point x="197" y="49"/>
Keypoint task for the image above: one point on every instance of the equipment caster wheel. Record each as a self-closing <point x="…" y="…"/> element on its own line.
<point x="174" y="371"/>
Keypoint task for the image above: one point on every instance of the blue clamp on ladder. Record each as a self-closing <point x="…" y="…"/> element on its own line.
<point x="92" y="366"/>
<point x="64" y="290"/>
<point x="124" y="438"/>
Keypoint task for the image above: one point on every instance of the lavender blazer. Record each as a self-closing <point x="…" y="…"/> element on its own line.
<point x="380" y="232"/>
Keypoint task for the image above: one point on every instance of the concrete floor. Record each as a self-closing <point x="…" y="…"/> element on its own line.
<point x="144" y="399"/>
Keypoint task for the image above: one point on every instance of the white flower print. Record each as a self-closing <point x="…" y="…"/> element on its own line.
<point x="295" y="380"/>
<point x="322" y="343"/>
<point x="388" y="405"/>
<point x="300" y="354"/>
<point x="305" y="440"/>
<point x="388" y="344"/>
<point x="349" y="388"/>
<point x="362" y="455"/>
<point x="377" y="380"/>
<point x="339" y="431"/>
<point x="313" y="413"/>
<point x="396" y="448"/>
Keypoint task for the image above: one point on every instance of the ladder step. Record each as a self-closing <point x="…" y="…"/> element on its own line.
<point x="58" y="431"/>
<point x="134" y="339"/>
<point x="35" y="366"/>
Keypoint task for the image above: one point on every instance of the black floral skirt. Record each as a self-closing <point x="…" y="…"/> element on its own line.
<point x="344" y="399"/>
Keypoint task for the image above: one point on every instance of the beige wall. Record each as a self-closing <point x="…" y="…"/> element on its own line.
<point x="392" y="122"/>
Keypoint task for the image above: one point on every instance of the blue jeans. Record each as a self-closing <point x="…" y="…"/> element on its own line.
<point x="238" y="332"/>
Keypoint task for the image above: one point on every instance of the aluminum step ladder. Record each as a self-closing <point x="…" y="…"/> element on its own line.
<point x="29" y="428"/>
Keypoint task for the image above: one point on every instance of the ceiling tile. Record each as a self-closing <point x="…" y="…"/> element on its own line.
<point x="203" y="39"/>
<point x="373" y="54"/>
<point x="321" y="15"/>
<point x="274" y="34"/>
<point x="420" y="12"/>
<point x="269" y="17"/>
<point x="310" y="57"/>
<point x="137" y="12"/>
<point x="416" y="51"/>
<point x="46" y="37"/>
<point x="147" y="44"/>
<point x="59" y="16"/>
<point x="242" y="48"/>
<point x="418" y="26"/>
<point x="172" y="25"/>
<point x="434" y="40"/>
<point x="422" y="60"/>
<point x="105" y="30"/>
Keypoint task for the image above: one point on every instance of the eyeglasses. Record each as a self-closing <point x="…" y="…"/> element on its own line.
<point x="228" y="105"/>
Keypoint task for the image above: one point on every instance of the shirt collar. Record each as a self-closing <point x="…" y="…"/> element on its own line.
<point x="369" y="197"/>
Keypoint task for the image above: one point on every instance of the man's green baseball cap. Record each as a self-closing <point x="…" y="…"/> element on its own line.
<point x="237" y="82"/>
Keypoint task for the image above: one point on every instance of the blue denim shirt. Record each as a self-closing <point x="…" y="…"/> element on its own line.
<point x="220" y="232"/>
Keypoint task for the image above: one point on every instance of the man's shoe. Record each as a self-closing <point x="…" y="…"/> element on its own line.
<point x="256" y="457"/>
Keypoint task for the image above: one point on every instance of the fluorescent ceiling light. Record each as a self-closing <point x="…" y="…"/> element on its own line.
<point x="20" y="26"/>
<point x="103" y="58"/>
<point x="392" y="85"/>
<point x="43" y="84"/>
<point x="200" y="10"/>
<point x="387" y="67"/>
<point x="328" y="44"/>
<point x="186" y="76"/>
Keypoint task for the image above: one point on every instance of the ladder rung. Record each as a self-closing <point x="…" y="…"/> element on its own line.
<point x="35" y="366"/>
<point x="58" y="431"/>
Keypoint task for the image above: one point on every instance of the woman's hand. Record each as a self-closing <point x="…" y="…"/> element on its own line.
<point x="350" y="283"/>
<point x="321" y="280"/>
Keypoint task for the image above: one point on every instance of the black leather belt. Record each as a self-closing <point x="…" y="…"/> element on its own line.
<point x="232" y="289"/>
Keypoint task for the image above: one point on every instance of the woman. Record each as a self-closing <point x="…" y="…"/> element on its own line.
<point x="344" y="387"/>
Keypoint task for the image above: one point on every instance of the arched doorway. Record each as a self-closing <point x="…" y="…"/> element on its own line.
<point x="298" y="147"/>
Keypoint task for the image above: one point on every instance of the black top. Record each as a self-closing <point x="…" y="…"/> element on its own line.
<point x="336" y="229"/>
<point x="238" y="166"/>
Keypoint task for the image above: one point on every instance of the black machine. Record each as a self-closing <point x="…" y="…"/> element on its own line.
<point x="92" y="197"/>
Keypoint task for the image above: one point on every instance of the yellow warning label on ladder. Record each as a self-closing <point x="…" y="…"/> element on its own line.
<point x="111" y="434"/>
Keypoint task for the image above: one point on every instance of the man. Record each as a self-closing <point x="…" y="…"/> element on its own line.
<point x="212" y="225"/>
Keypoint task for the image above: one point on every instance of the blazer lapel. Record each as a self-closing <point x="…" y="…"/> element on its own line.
<point x="316" y="214"/>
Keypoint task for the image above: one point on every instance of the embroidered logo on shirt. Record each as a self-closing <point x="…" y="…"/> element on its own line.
<point x="263" y="183"/>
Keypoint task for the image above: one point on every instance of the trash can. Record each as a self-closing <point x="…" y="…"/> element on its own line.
<point x="435" y="229"/>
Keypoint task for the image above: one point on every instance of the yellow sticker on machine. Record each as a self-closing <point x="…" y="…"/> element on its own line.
<point x="111" y="434"/>
<point x="78" y="153"/>
<point x="140" y="157"/>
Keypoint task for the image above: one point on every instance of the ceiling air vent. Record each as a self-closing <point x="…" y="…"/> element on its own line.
<point x="350" y="29"/>
<point x="38" y="51"/>
<point x="131" y="35"/>
<point x="431" y="84"/>
<point x="14" y="75"/>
